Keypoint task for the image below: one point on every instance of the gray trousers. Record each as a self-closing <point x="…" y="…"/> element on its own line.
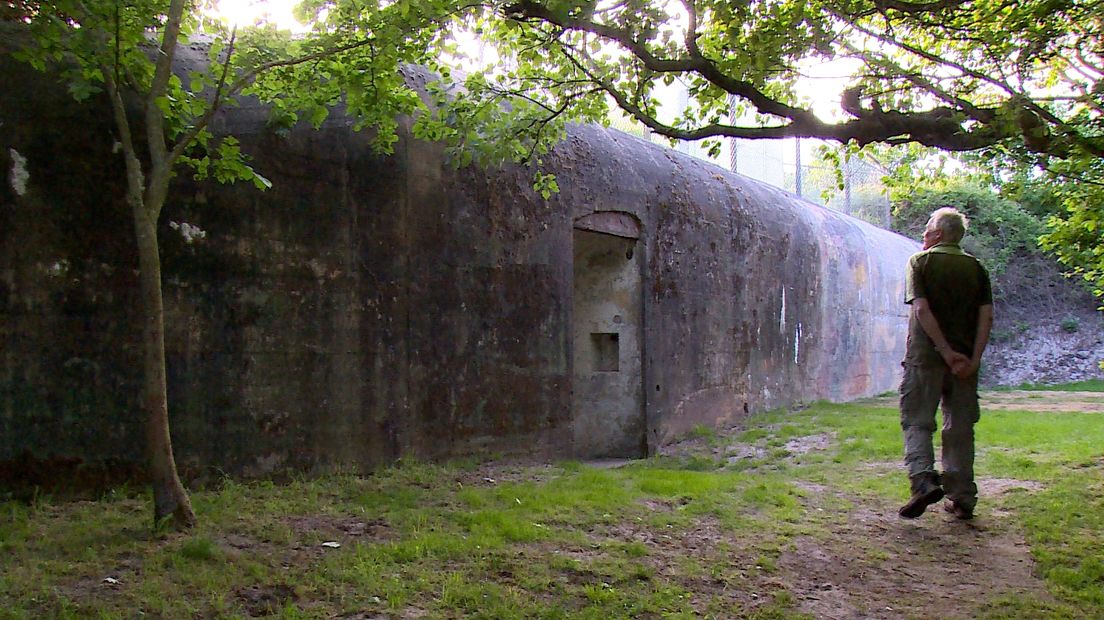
<point x="923" y="389"/>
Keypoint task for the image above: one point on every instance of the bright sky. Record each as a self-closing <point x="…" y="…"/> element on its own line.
<point x="249" y="12"/>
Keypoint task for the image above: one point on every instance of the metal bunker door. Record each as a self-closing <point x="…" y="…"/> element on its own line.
<point x="608" y="395"/>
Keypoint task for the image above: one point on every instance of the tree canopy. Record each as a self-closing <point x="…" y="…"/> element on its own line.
<point x="958" y="75"/>
<point x="1021" y="82"/>
<point x="952" y="74"/>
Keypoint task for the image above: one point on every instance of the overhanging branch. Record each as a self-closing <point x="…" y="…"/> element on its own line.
<point x="940" y="127"/>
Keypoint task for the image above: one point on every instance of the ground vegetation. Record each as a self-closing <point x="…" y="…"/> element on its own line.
<point x="791" y="515"/>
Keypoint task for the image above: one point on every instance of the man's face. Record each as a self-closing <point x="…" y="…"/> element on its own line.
<point x="932" y="235"/>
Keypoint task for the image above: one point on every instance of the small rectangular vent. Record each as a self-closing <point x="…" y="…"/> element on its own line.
<point x="607" y="354"/>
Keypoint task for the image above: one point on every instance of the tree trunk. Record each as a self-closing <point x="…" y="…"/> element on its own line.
<point x="169" y="497"/>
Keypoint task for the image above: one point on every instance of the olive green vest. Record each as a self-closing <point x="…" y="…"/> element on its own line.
<point x="955" y="285"/>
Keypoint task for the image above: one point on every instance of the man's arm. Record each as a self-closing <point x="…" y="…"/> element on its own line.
<point x="930" y="325"/>
<point x="984" y="324"/>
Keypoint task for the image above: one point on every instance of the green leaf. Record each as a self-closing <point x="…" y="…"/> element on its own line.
<point x="261" y="182"/>
<point x="317" y="115"/>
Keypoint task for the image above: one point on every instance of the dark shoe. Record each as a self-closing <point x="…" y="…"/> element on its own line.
<point x="919" y="501"/>
<point x="958" y="510"/>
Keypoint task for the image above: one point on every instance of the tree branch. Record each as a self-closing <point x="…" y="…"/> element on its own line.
<point x="938" y="127"/>
<point x="1003" y="85"/>
<point x="188" y="136"/>
<point x="530" y="10"/>
<point x="978" y="114"/>
<point x="913" y="8"/>
<point x="135" y="176"/>
<point x="155" y="117"/>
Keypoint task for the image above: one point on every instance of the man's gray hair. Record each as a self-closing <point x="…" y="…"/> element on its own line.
<point x="952" y="222"/>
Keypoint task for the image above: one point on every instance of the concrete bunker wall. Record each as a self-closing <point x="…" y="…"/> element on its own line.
<point x="752" y="298"/>
<point x="371" y="307"/>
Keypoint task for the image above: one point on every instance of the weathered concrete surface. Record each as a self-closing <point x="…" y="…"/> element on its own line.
<point x="373" y="307"/>
<point x="753" y="299"/>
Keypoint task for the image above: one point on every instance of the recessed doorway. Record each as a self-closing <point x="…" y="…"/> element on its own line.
<point x="607" y="399"/>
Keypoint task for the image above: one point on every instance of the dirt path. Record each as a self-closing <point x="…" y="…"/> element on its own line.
<point x="869" y="563"/>
<point x="873" y="564"/>
<point x="1021" y="400"/>
<point x="1084" y="402"/>
<point x="876" y="565"/>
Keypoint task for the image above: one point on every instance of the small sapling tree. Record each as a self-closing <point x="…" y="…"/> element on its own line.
<point x="126" y="49"/>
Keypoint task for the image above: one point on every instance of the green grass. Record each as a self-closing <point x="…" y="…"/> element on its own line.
<point x="1064" y="523"/>
<point x="670" y="537"/>
<point x="449" y="548"/>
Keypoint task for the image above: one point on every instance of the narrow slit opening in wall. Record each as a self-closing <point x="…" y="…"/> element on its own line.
<point x="606" y="352"/>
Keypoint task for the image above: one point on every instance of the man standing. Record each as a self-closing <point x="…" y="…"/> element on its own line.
<point x="952" y="313"/>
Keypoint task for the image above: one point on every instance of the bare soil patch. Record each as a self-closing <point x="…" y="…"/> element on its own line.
<point x="1027" y="400"/>
<point x="1076" y="402"/>
<point x="873" y="564"/>
<point x="864" y="562"/>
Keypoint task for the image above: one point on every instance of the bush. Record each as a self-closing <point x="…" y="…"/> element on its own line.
<point x="999" y="231"/>
<point x="1070" y="324"/>
<point x="1005" y="238"/>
